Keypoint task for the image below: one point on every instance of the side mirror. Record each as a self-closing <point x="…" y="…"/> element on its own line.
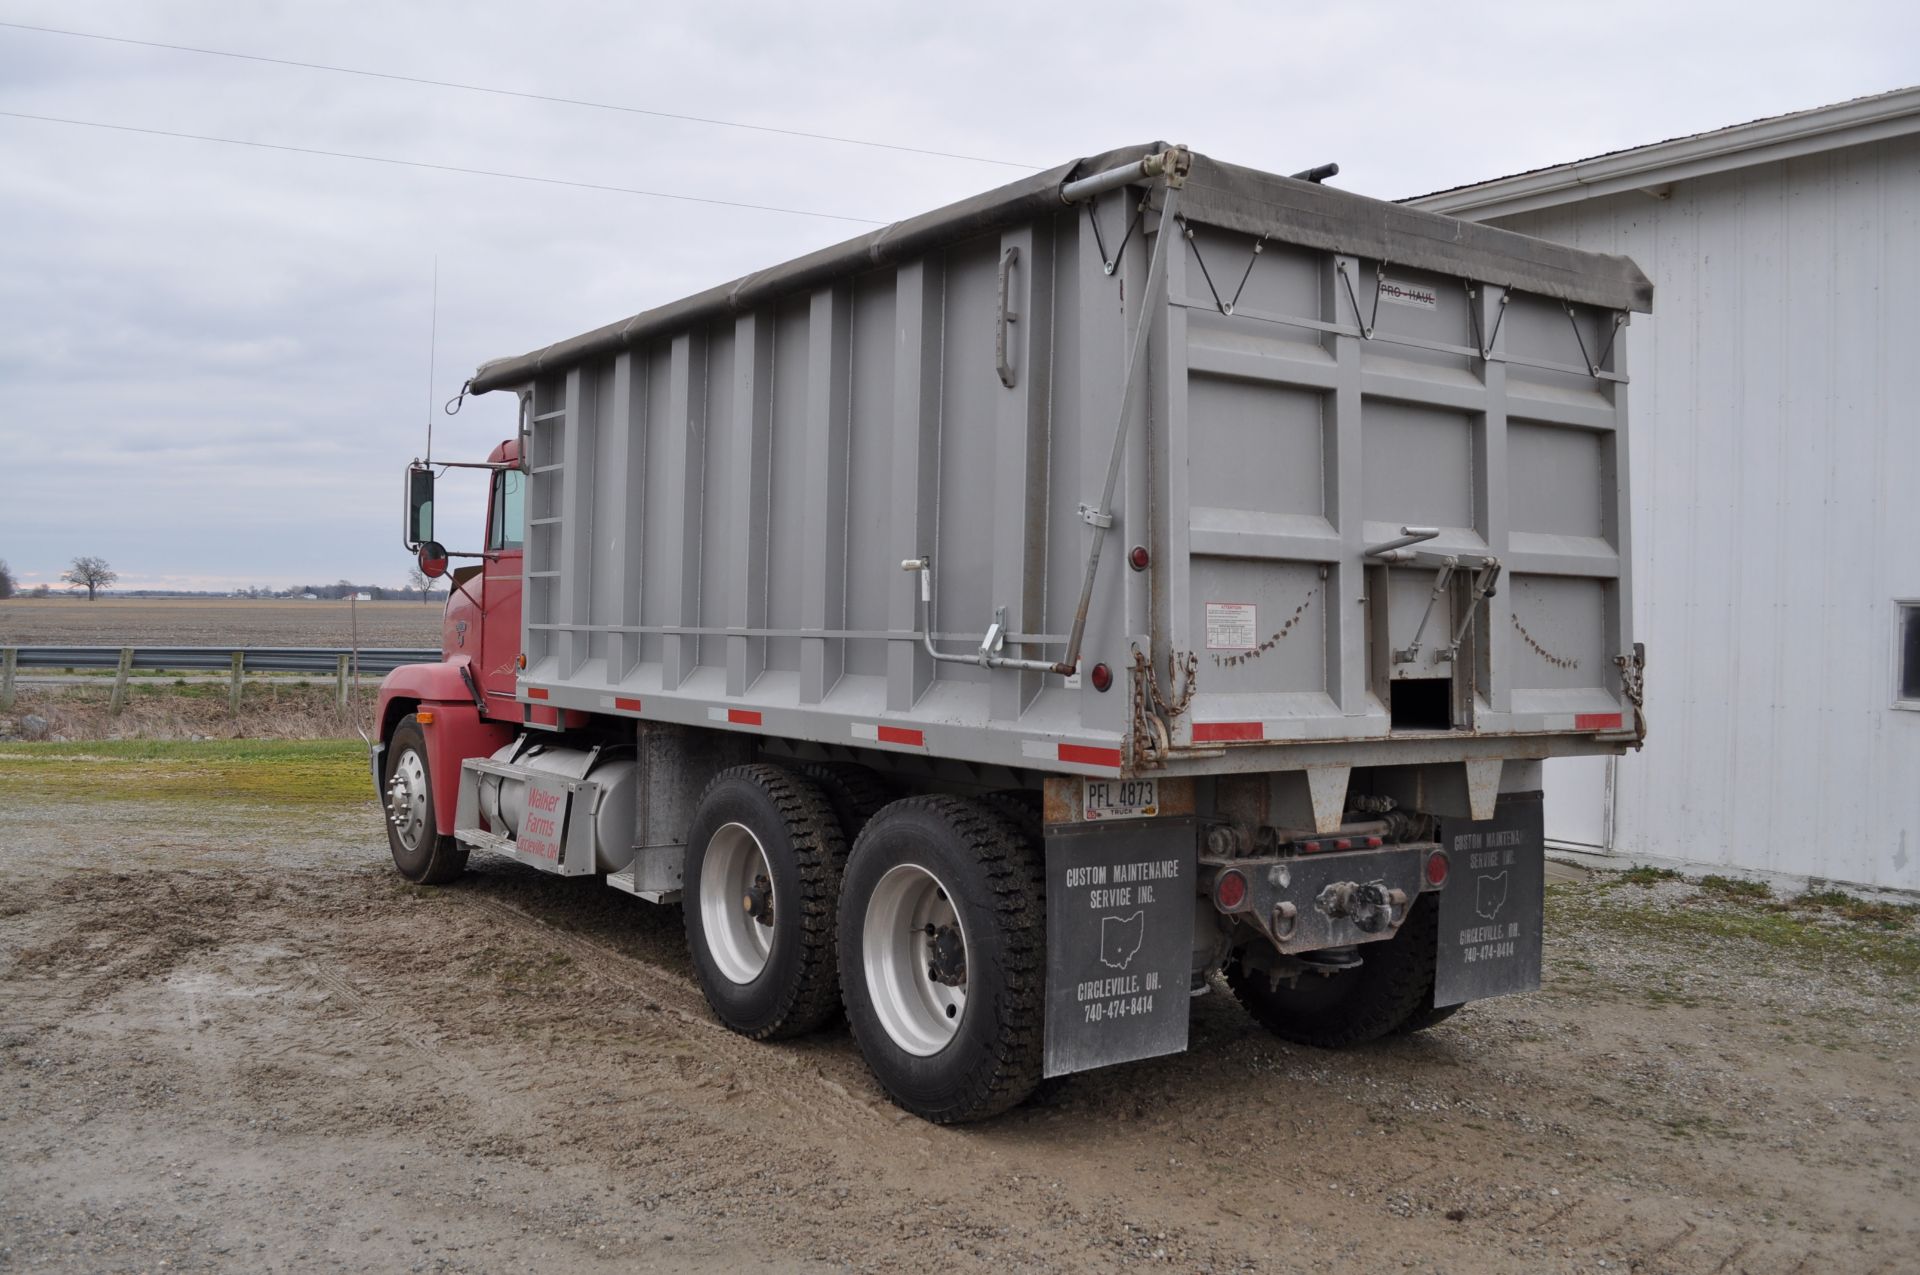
<point x="433" y="559"/>
<point x="420" y="506"/>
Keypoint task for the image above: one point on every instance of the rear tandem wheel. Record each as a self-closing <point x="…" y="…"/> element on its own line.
<point x="762" y="876"/>
<point x="943" y="957"/>
<point x="1390" y="992"/>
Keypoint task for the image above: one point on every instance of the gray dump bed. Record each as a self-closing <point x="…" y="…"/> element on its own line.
<point x="723" y="490"/>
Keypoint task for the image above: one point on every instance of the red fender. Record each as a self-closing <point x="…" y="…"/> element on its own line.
<point x="454" y="730"/>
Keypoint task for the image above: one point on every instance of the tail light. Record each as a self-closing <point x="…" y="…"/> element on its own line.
<point x="1229" y="890"/>
<point x="1437" y="868"/>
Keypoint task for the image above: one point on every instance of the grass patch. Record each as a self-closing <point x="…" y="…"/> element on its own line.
<point x="264" y="770"/>
<point x="1735" y="887"/>
<point x="1799" y="936"/>
<point x="1886" y="916"/>
<point x="1641" y="874"/>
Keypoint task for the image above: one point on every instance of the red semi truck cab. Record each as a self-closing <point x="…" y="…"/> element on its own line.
<point x="464" y="706"/>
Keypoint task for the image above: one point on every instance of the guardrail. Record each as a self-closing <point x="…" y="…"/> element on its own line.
<point x="262" y="659"/>
<point x="343" y="662"/>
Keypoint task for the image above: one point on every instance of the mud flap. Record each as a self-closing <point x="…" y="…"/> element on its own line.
<point x="1492" y="909"/>
<point x="1119" y="941"/>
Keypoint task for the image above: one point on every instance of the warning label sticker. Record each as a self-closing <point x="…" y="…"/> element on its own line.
<point x="1400" y="292"/>
<point x="1230" y="626"/>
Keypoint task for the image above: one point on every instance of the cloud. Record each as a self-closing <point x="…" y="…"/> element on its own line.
<point x="216" y="358"/>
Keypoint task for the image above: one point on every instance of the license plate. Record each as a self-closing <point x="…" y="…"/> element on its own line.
<point x="1121" y="799"/>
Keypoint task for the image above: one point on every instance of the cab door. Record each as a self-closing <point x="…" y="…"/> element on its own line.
<point x="496" y="663"/>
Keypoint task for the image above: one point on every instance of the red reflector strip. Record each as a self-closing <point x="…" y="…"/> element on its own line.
<point x="536" y="692"/>
<point x="630" y="705"/>
<point x="743" y="716"/>
<point x="901" y="735"/>
<point x="1087" y="755"/>
<point x="1597" y="721"/>
<point x="1225" y="732"/>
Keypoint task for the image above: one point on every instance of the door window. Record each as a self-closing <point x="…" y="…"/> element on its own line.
<point x="509" y="510"/>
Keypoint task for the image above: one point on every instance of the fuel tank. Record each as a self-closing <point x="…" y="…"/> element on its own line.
<point x="503" y="797"/>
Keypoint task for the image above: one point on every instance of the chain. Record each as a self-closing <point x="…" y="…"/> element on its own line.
<point x="1633" y="667"/>
<point x="1150" y="740"/>
<point x="1185" y="677"/>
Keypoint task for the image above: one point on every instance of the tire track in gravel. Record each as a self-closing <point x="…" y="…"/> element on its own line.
<point x="764" y="1064"/>
<point x="477" y="1083"/>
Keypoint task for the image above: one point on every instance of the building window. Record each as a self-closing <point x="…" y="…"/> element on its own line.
<point x="1906" y="672"/>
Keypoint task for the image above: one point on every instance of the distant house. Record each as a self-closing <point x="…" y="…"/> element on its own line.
<point x="363" y="596"/>
<point x="310" y="597"/>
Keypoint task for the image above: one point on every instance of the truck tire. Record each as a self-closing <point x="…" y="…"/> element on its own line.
<point x="1021" y="809"/>
<point x="420" y="853"/>
<point x="856" y="793"/>
<point x="762" y="877"/>
<point x="1431" y="1016"/>
<point x="1390" y="991"/>
<point x="943" y="957"/>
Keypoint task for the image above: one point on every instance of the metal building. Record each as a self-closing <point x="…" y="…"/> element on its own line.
<point x="1774" y="469"/>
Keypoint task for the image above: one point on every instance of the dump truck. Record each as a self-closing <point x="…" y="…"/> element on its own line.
<point x="1152" y="578"/>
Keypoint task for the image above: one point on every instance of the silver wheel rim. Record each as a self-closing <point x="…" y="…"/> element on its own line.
<point x="919" y="1012"/>
<point x="734" y="870"/>
<point x="407" y="799"/>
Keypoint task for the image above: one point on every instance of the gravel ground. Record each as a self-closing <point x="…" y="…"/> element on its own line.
<point x="231" y="1039"/>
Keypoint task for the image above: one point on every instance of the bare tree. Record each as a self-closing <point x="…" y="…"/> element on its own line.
<point x="416" y="579"/>
<point x="8" y="585"/>
<point x="89" y="573"/>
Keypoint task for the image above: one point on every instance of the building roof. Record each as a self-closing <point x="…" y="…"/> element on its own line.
<point x="1762" y="141"/>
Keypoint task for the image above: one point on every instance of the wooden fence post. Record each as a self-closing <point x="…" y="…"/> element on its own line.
<point x="119" y="699"/>
<point x="9" y="660"/>
<point x="342" y="676"/>
<point x="233" y="695"/>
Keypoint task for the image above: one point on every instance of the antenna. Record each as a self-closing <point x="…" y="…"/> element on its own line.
<point x="433" y="342"/>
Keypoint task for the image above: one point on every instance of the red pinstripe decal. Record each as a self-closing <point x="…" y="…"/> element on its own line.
<point x="1597" y="721"/>
<point x="1085" y="755"/>
<point x="901" y="735"/>
<point x="1222" y="732"/>
<point x="743" y="716"/>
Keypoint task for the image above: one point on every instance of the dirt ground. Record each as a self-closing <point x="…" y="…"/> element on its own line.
<point x="231" y="1038"/>
<point x="66" y="621"/>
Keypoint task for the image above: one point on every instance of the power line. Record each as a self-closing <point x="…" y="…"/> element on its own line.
<point x="531" y="97"/>
<point x="441" y="168"/>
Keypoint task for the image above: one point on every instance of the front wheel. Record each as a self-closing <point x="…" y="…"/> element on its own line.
<point x="943" y="957"/>
<point x="421" y="853"/>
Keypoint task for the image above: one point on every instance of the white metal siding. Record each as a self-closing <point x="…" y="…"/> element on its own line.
<point x="1776" y="464"/>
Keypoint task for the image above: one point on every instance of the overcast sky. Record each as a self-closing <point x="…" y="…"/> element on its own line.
<point x="215" y="359"/>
